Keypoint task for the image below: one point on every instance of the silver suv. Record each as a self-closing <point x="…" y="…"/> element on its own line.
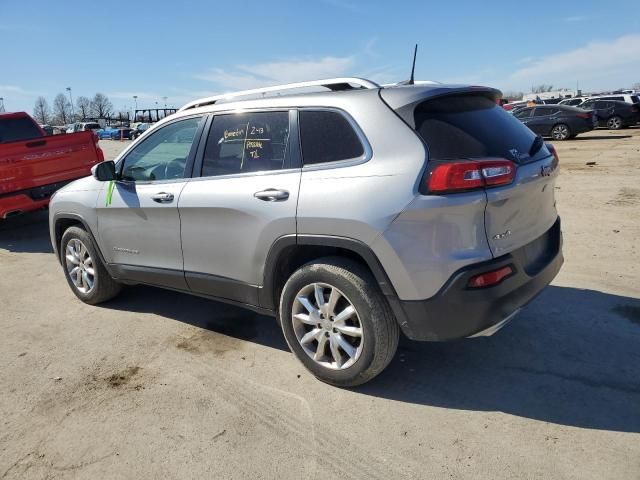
<point x="349" y="214"/>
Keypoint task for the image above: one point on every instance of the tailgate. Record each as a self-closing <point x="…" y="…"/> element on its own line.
<point x="46" y="160"/>
<point x="523" y="211"/>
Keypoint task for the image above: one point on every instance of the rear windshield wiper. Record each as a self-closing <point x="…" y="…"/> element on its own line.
<point x="536" y="146"/>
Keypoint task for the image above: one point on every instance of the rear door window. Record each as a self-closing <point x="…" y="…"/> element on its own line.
<point x="327" y="136"/>
<point x="543" y="112"/>
<point x="635" y="99"/>
<point x="247" y="142"/>
<point x="472" y="126"/>
<point x="16" y="129"/>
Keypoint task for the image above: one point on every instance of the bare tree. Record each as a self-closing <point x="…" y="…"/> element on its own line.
<point x="101" y="107"/>
<point x="41" y="111"/>
<point x="83" y="107"/>
<point x="62" y="109"/>
<point x="543" y="87"/>
<point x="512" y="95"/>
<point x="636" y="86"/>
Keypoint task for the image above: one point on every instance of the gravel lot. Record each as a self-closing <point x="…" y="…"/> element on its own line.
<point x="161" y="385"/>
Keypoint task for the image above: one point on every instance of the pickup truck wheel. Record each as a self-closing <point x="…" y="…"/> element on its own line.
<point x="337" y="321"/>
<point x="84" y="271"/>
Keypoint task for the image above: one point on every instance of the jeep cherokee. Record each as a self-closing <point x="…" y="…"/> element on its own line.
<point x="350" y="214"/>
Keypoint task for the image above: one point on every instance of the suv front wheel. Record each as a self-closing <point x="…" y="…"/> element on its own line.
<point x="85" y="273"/>
<point x="337" y="321"/>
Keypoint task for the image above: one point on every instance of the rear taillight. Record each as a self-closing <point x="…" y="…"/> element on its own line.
<point x="554" y="152"/>
<point x="470" y="174"/>
<point x="96" y="140"/>
<point x="634" y="109"/>
<point x="491" y="278"/>
<point x="583" y="115"/>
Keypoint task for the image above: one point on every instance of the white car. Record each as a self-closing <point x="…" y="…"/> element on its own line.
<point x="621" y="97"/>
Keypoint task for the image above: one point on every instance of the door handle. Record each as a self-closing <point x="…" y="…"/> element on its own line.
<point x="162" y="197"/>
<point x="272" y="195"/>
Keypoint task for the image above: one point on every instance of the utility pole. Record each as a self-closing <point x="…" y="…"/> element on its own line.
<point x="1" y="104"/>
<point x="135" y="99"/>
<point x="73" y="113"/>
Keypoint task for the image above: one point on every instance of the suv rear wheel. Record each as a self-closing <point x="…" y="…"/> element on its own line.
<point x="337" y="321"/>
<point x="614" y="123"/>
<point x="83" y="268"/>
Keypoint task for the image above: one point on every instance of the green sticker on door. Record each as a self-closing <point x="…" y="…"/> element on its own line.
<point x="109" y="193"/>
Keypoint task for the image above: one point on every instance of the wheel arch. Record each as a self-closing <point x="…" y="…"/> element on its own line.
<point x="61" y="222"/>
<point x="290" y="252"/>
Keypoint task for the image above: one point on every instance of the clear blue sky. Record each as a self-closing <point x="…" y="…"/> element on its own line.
<point x="186" y="49"/>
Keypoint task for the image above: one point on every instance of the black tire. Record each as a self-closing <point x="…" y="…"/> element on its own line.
<point x="104" y="287"/>
<point x="561" y="131"/>
<point x="380" y="332"/>
<point x="614" y="123"/>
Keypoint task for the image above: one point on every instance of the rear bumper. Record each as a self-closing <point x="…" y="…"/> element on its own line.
<point x="457" y="311"/>
<point x="28" y="200"/>
<point x="17" y="204"/>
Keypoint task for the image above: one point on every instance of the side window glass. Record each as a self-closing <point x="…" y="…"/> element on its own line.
<point x="246" y="142"/>
<point x="327" y="137"/>
<point x="163" y="155"/>
<point x="541" y="112"/>
<point x="523" y="113"/>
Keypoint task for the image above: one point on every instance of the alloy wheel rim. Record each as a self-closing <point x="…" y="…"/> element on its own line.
<point x="561" y="132"/>
<point x="327" y="326"/>
<point x="80" y="267"/>
<point x="614" y="123"/>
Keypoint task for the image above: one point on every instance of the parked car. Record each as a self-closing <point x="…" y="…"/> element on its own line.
<point x="139" y="130"/>
<point x="613" y="114"/>
<point x="33" y="166"/>
<point x="350" y="215"/>
<point x="572" y="102"/>
<point x="48" y="129"/>
<point x="84" y="127"/>
<point x="121" y="133"/>
<point x="627" y="98"/>
<point x="105" y="133"/>
<point x="557" y="121"/>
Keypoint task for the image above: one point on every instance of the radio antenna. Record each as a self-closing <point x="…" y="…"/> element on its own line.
<point x="411" y="80"/>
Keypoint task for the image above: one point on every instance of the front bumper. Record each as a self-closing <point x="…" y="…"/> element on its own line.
<point x="458" y="311"/>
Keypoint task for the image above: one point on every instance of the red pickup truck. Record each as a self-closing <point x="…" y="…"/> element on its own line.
<point x="34" y="165"/>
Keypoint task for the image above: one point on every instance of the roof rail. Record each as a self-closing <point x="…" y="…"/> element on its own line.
<point x="334" y="84"/>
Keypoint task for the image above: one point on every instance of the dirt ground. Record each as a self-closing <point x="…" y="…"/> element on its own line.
<point x="157" y="384"/>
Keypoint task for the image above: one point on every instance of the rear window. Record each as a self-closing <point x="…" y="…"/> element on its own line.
<point x="15" y="129"/>
<point x="471" y="126"/>
<point x="327" y="137"/>
<point x="635" y="99"/>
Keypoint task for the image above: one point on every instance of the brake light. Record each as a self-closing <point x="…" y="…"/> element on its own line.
<point x="96" y="140"/>
<point x="489" y="279"/>
<point x="583" y="115"/>
<point x="554" y="152"/>
<point x="634" y="109"/>
<point x="469" y="175"/>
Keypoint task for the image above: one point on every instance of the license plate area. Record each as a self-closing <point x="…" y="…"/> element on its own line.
<point x="542" y="250"/>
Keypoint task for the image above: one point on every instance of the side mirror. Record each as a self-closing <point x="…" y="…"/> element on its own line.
<point x="104" y="171"/>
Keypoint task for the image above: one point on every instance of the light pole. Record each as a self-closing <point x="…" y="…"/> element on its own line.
<point x="135" y="99"/>
<point x="73" y="113"/>
<point x="1" y="104"/>
<point x="165" y="101"/>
